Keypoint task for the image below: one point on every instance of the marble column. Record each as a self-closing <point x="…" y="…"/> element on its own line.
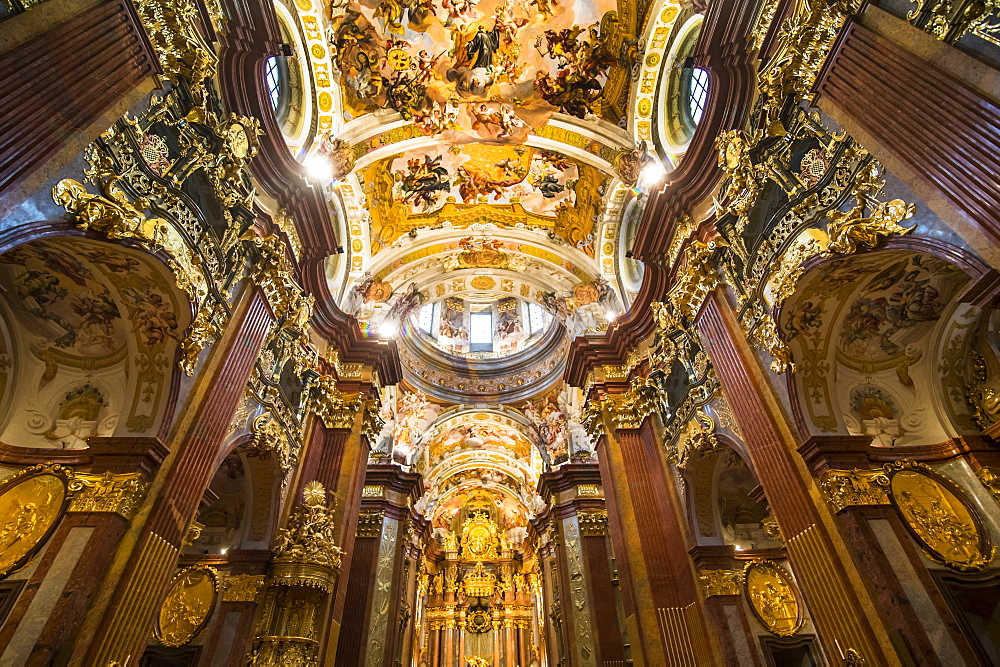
<point x="69" y="72"/>
<point x="195" y="452"/>
<point x="577" y="505"/>
<point x="839" y="604"/>
<point x="378" y="580"/>
<point x="664" y="612"/>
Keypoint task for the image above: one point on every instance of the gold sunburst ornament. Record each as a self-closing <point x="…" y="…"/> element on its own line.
<point x="314" y="494"/>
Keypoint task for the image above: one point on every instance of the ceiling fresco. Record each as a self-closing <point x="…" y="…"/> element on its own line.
<point x="865" y="335"/>
<point x="458" y="186"/>
<point x="482" y="433"/>
<point x="483" y="70"/>
<point x="86" y="324"/>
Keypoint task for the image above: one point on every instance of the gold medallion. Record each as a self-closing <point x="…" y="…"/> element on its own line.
<point x="188" y="605"/>
<point x="31" y="503"/>
<point x="773" y="597"/>
<point x="939" y="516"/>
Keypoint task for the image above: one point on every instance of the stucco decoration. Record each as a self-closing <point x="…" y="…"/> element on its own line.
<point x="95" y="327"/>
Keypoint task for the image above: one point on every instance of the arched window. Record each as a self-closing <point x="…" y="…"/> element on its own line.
<point x="697" y="93"/>
<point x="273" y="77"/>
<point x="685" y="91"/>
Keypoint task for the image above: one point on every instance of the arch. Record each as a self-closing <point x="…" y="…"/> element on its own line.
<point x="723" y="498"/>
<point x="96" y="327"/>
<point x="880" y="340"/>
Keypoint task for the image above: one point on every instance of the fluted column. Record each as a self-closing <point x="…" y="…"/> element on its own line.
<point x="188" y="470"/>
<point x="65" y="82"/>
<point x="336" y="455"/>
<point x="664" y="615"/>
<point x="839" y="605"/>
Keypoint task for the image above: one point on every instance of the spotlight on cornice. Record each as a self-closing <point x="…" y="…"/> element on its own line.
<point x="388" y="330"/>
<point x="318" y="168"/>
<point x="611" y="314"/>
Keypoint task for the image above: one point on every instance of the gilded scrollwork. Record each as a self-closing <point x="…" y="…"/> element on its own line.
<point x="171" y="27"/>
<point x="271" y="438"/>
<point x="852" y="229"/>
<point x="336" y="409"/>
<point x="373" y="423"/>
<point x="741" y="186"/>
<point x="991" y="480"/>
<point x="696" y="435"/>
<point x="697" y="278"/>
<point x="593" y="523"/>
<point x="242" y="587"/>
<point x="592" y="420"/>
<point x="628" y="410"/>
<point x="803" y="44"/>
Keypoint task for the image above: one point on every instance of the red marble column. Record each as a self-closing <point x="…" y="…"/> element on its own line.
<point x="196" y="452"/>
<point x="563" y="485"/>
<point x="234" y="625"/>
<point x="941" y="135"/>
<point x="668" y="626"/>
<point x="56" y="85"/>
<point x="391" y="493"/>
<point x="727" y="614"/>
<point x="842" y="610"/>
<point x="337" y="459"/>
<point x="893" y="566"/>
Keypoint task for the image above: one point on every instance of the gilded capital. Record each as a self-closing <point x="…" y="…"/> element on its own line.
<point x="843" y="488"/>
<point x="720" y="582"/>
<point x="242" y="587"/>
<point x="120" y="494"/>
<point x="593" y="523"/>
<point x="629" y="410"/>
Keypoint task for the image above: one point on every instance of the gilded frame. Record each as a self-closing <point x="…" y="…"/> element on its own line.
<point x="782" y="574"/>
<point x="207" y="610"/>
<point x="10" y="486"/>
<point x="984" y="546"/>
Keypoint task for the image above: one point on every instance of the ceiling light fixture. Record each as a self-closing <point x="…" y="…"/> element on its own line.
<point x="318" y="168"/>
<point x="652" y="174"/>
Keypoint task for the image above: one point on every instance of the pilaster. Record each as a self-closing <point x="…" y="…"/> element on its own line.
<point x="577" y="505"/>
<point x="664" y="614"/>
<point x="195" y="445"/>
<point x="378" y="581"/>
<point x="843" y="612"/>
